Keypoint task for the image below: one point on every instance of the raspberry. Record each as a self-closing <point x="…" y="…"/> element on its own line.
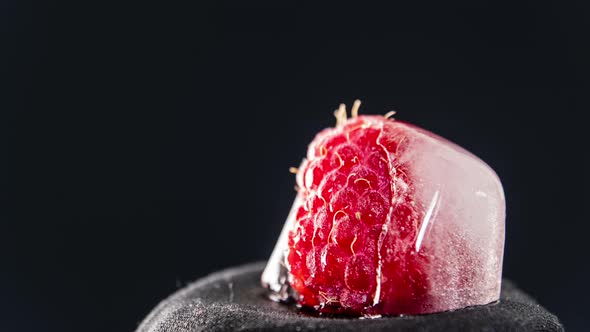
<point x="350" y="250"/>
<point x="390" y="219"/>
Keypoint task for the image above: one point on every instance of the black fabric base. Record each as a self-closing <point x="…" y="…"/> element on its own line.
<point x="233" y="300"/>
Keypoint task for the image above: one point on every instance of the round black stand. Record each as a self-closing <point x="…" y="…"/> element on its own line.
<point x="233" y="300"/>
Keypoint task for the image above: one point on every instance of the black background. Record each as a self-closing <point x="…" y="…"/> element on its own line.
<point x="156" y="137"/>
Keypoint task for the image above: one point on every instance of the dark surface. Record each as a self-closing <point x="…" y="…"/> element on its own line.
<point x="233" y="300"/>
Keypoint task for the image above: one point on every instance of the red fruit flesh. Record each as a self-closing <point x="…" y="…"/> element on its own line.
<point x="351" y="249"/>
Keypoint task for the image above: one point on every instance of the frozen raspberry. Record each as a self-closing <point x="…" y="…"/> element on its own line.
<point x="358" y="243"/>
